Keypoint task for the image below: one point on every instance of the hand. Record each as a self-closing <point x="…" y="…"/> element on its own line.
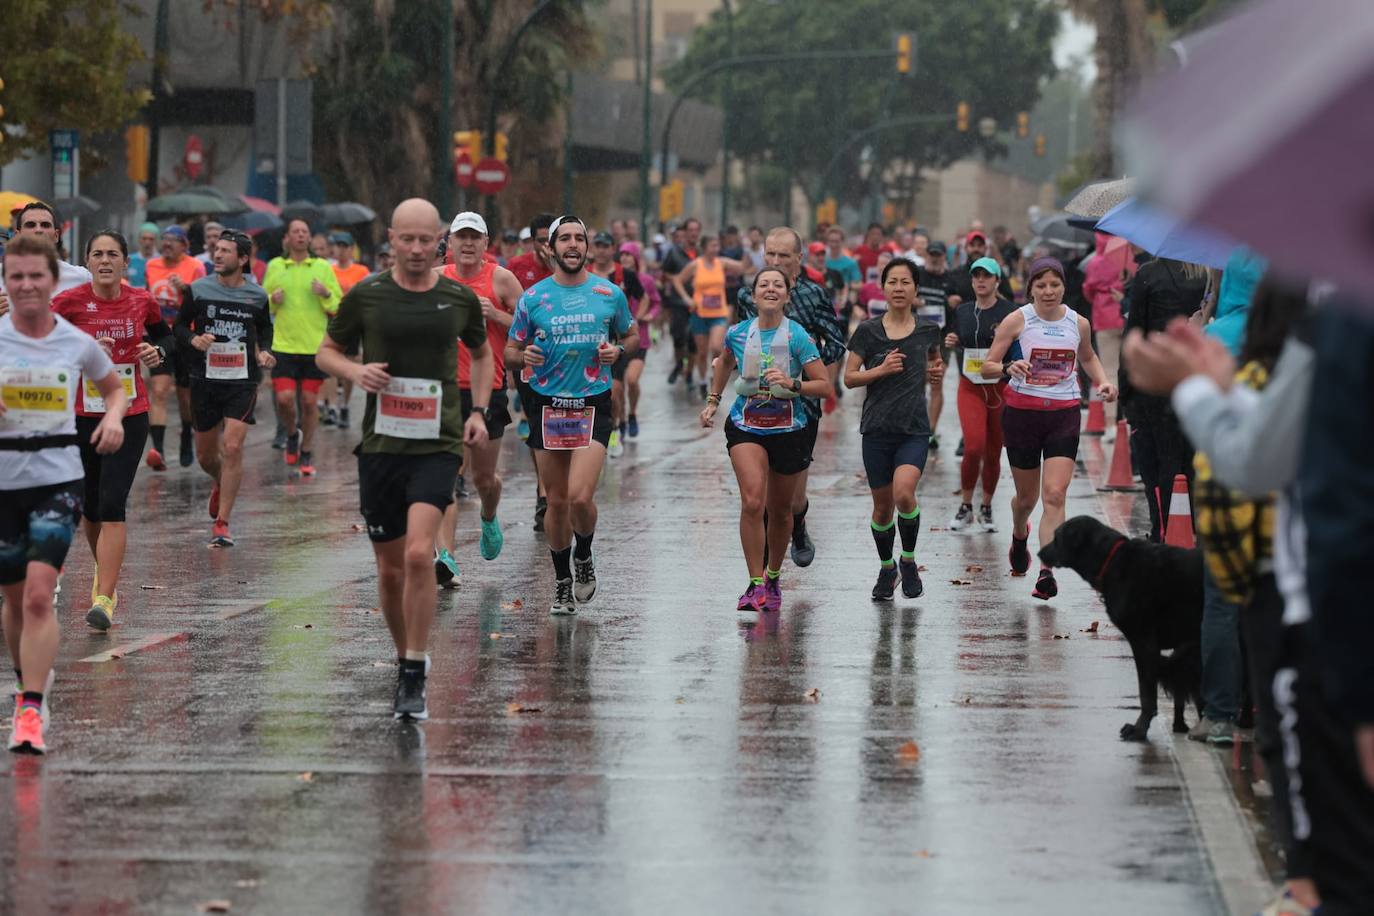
<point x="1020" y="368"/>
<point x="178" y="284"/>
<point x="148" y="355"/>
<point x="202" y="341"/>
<point x="487" y="306"/>
<point x="534" y="356"/>
<point x="373" y="377"/>
<point x="278" y="296"/>
<point x="893" y="363"/>
<point x="266" y="360"/>
<point x="1118" y="295"/>
<point x="775" y="376"/>
<point x="935" y="372"/>
<point x="108" y="436"/>
<point x="955" y="301"/>
<point x="474" y="430"/>
<point x="607" y="353"/>
<point x="708" y="415"/>
<point x="1107" y="392"/>
<point x="1364" y="751"/>
<point x="951" y="340"/>
<point x="106" y="344"/>
<point x="319" y="289"/>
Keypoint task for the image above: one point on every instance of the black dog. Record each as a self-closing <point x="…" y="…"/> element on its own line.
<point x="1154" y="597"/>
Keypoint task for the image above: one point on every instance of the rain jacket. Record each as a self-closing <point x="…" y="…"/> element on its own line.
<point x="1102" y="277"/>
<point x="1244" y="269"/>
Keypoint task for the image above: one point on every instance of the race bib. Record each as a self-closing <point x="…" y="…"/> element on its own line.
<point x="766" y="413"/>
<point x="935" y="313"/>
<point x="711" y="303"/>
<point x="36" y="399"/>
<point x="91" y="400"/>
<point x="567" y="428"/>
<point x="1050" y="366"/>
<point x="227" y="360"/>
<point x="973" y="366"/>
<point x="408" y="408"/>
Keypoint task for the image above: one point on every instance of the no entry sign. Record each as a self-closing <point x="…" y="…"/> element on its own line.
<point x="491" y="176"/>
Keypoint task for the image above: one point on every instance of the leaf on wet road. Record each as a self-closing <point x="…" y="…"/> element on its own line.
<point x="515" y="605"/>
<point x="909" y="752"/>
<point x="215" y="906"/>
<point x="149" y="588"/>
<point x="920" y="569"/>
<point x="304" y="626"/>
<point x="1092" y="628"/>
<point x="933" y="528"/>
<point x="307" y="776"/>
<point x="960" y="581"/>
<point x="814" y="695"/>
<point x="1061" y="635"/>
<point x="973" y="568"/>
<point x="502" y="636"/>
<point x="517" y="709"/>
<point x="923" y="854"/>
<point x="358" y="527"/>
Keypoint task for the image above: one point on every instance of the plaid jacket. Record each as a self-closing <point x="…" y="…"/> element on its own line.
<point x="811" y="307"/>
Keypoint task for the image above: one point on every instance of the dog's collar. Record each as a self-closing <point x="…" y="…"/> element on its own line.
<point x="1097" y="583"/>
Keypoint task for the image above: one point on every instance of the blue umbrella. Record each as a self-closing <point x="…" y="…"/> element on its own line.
<point x="1166" y="236"/>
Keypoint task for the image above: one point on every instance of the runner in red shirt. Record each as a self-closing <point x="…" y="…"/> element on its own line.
<point x="122" y="319"/>
<point x="537" y="263"/>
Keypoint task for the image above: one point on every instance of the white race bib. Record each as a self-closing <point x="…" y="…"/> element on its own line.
<point x="973" y="366"/>
<point x="91" y="399"/>
<point x="36" y="399"/>
<point x="408" y="408"/>
<point x="227" y="361"/>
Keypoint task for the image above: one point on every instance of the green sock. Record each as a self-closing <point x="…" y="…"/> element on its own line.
<point x="756" y="580"/>
<point x="774" y="573"/>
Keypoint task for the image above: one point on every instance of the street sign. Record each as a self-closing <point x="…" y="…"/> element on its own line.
<point x="462" y="169"/>
<point x="491" y="176"/>
<point x="193" y="158"/>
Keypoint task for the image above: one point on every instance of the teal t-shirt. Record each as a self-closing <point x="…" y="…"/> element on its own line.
<point x="802" y="350"/>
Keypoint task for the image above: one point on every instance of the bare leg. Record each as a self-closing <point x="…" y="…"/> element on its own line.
<point x="632" y="373"/>
<point x="109" y="555"/>
<point x="483" y="459"/>
<point x="781" y="496"/>
<point x="554" y="468"/>
<point x="751" y="473"/>
<point x="1058" y="473"/>
<point x="1024" y="500"/>
<point x="231" y="466"/>
<point x="310" y="417"/>
<point x="286" y="409"/>
<point x="419" y="595"/>
<point x="38" y="632"/>
<point x="448" y="528"/>
<point x="159" y="386"/>
<point x="391" y="582"/>
<point x="584" y="470"/>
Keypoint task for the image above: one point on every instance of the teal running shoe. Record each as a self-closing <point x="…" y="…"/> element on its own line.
<point x="492" y="539"/>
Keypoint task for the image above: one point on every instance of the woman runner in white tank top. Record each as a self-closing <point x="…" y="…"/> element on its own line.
<point x="1040" y="421"/>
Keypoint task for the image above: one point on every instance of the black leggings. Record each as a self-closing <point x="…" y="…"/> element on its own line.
<point x="110" y="477"/>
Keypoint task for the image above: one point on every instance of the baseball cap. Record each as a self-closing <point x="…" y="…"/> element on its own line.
<point x="177" y="233"/>
<point x="468" y="220"/>
<point x="149" y="227"/>
<point x="524" y="234"/>
<point x="987" y="264"/>
<point x="816" y="248"/>
<point x="975" y="234"/>
<point x="603" y="238"/>
<point x="937" y="248"/>
<point x="340" y="238"/>
<point x="510" y="236"/>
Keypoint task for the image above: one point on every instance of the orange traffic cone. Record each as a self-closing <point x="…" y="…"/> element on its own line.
<point x="1119" y="477"/>
<point x="1178" y="527"/>
<point x="1096" y="424"/>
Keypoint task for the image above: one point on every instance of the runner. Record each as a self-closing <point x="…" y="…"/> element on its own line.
<point x="138" y="260"/>
<point x="980" y="400"/>
<point x="631" y="365"/>
<point x="1040" y="420"/>
<point x="562" y="331"/>
<point x="304" y="295"/>
<point x="872" y="301"/>
<point x="119" y="317"/>
<point x="40" y="221"/>
<point x="894" y="356"/>
<point x="938" y="296"/>
<point x="683" y="252"/>
<point x="710" y="312"/>
<point x="809" y="304"/>
<point x="168" y="279"/>
<point x="498" y="292"/>
<point x="765" y="430"/>
<point x="349" y="273"/>
<point x="42" y="357"/>
<point x="605" y="265"/>
<point x="225" y="323"/>
<point x="530" y="268"/>
<point x="408" y="322"/>
<point x="211" y="233"/>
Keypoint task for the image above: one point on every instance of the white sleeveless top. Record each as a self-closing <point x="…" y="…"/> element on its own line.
<point x="1051" y="347"/>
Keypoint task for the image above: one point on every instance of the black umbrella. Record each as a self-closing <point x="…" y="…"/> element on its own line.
<point x="312" y="213"/>
<point x="193" y="202"/>
<point x="348" y="213"/>
<point x="252" y="221"/>
<point x="1057" y="229"/>
<point x="78" y="207"/>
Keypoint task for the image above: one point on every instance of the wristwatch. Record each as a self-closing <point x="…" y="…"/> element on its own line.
<point x="484" y="411"/>
<point x="796" y="386"/>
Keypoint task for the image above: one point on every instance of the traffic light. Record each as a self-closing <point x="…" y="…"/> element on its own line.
<point x="1040" y="145"/>
<point x="826" y="212"/>
<point x="961" y="117"/>
<point x="502" y="145"/>
<point x="470" y="140"/>
<point x="906" y="53"/>
<point x="1023" y="124"/>
<point x="670" y="200"/>
<point x="136" y="153"/>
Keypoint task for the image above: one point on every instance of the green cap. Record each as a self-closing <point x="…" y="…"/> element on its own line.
<point x="149" y="227"/>
<point x="987" y="264"/>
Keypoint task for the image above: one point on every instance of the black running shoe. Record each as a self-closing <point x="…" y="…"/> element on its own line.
<point x="959" y="450"/>
<point x="886" y="585"/>
<point x="911" y="579"/>
<point x="541" y="506"/>
<point x="410" y="694"/>
<point x="460" y="487"/>
<point x="1045" y="586"/>
<point x="803" y="550"/>
<point x="1019" y="555"/>
<point x="675" y="374"/>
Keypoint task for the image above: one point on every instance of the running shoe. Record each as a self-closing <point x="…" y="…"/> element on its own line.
<point x="331" y="416"/>
<point x="584" y="580"/>
<point x="515" y="402"/>
<point x="188" y="452"/>
<point x="963" y="518"/>
<point x="985" y="519"/>
<point x="911" y="579"/>
<point x="1019" y="555"/>
<point x="213" y="506"/>
<point x="279" y="440"/>
<point x="522" y="429"/>
<point x="886" y="585"/>
<point x="541" y="506"/>
<point x="614" y="448"/>
<point x="305" y="465"/>
<point x="101" y="615"/>
<point x="343" y="418"/>
<point x="220" y="536"/>
<point x="701" y="389"/>
<point x="492" y="538"/>
<point x="934" y="443"/>
<point x="755" y="598"/>
<point x="410" y="694"/>
<point x="460" y="487"/>
<point x="1045" y="586"/>
<point x="26" y="731"/>
<point x="563" y="604"/>
<point x="446" y="569"/>
<point x="959" y="449"/>
<point x="803" y="550"/>
<point x="154" y="460"/>
<point x="293" y="448"/>
<point x="632" y="430"/>
<point x="772" y="592"/>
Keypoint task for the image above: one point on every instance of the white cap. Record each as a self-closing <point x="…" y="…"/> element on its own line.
<point x="525" y="234"/>
<point x="468" y="220"/>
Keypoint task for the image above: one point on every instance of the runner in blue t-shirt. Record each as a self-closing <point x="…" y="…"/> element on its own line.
<point x="562" y="337"/>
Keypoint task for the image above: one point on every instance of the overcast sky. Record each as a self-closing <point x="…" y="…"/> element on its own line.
<point x="1076" y="39"/>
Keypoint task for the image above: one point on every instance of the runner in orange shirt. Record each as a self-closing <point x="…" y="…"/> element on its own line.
<point x="348" y="272"/>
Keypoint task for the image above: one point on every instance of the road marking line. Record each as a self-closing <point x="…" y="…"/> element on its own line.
<point x="231" y="613"/>
<point x="127" y="649"/>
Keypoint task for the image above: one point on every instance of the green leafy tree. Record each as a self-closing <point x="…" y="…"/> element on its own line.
<point x="992" y="54"/>
<point x="63" y="65"/>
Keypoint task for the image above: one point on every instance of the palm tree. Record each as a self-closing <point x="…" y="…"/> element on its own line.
<point x="1123" y="53"/>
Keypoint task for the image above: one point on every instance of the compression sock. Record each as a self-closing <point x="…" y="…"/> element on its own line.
<point x="908" y="526"/>
<point x="883" y="536"/>
<point x="156" y="432"/>
<point x="583" y="545"/>
<point x="562" y="562"/>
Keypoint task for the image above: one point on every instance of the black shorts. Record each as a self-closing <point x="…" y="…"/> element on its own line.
<point x="37" y="525"/>
<point x="388" y="485"/>
<point x="212" y="402"/>
<point x="679" y="324"/>
<point x="1031" y="434"/>
<point x="788" y="453"/>
<point x="534" y="412"/>
<point x="298" y="367"/>
<point x="105" y="492"/>
<point x="885" y="452"/>
<point x="809" y="434"/>
<point x="499" y="412"/>
<point x="177" y="364"/>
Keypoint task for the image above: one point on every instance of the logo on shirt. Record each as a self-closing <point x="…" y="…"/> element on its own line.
<point x="92" y="307"/>
<point x="602" y="290"/>
<point x="210" y="312"/>
<point x="444" y="305"/>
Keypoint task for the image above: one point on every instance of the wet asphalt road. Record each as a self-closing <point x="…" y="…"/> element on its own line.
<point x="230" y="738"/>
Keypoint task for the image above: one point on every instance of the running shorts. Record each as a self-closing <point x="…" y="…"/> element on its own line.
<point x="536" y="403"/>
<point x="37" y="525"/>
<point x="788" y="453"/>
<point x="212" y="402"/>
<point x="110" y="477"/>
<point x="388" y="485"/>
<point x="698" y="325"/>
<point x="499" y="412"/>
<point x="294" y="369"/>
<point x="679" y="324"/>
<point x="885" y="452"/>
<point x="1031" y="434"/>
